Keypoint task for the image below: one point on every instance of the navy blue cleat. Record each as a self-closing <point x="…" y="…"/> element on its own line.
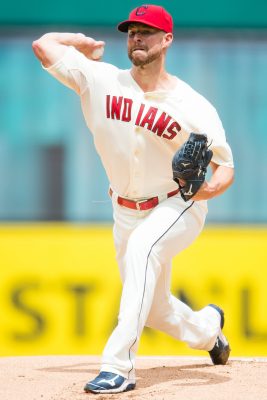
<point x="221" y="350"/>
<point x="107" y="382"/>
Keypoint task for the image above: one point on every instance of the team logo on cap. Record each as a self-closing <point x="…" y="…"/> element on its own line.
<point x="141" y="10"/>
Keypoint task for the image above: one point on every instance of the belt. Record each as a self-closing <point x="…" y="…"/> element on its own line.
<point x="142" y="205"/>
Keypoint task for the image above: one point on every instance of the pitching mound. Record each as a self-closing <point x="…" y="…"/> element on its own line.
<point x="158" y="378"/>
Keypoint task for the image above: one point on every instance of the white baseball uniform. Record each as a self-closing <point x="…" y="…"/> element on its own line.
<point x="136" y="135"/>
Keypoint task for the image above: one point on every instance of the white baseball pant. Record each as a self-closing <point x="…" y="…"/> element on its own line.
<point x="146" y="242"/>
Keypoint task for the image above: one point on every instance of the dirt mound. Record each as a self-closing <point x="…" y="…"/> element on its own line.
<point x="158" y="378"/>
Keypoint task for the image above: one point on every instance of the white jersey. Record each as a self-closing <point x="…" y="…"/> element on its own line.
<point x="136" y="134"/>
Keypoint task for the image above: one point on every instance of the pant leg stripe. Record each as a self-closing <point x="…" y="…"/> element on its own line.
<point x="144" y="289"/>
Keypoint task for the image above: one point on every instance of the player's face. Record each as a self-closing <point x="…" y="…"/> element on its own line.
<point x="145" y="44"/>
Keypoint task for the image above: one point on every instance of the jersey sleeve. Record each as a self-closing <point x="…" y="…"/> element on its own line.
<point x="206" y="120"/>
<point x="76" y="71"/>
<point x="222" y="153"/>
<point x="202" y="117"/>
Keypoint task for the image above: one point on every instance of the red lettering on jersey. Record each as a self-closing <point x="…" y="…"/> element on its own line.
<point x="171" y="130"/>
<point x="139" y="115"/>
<point x="149" y="118"/>
<point x="108" y="106"/>
<point x="120" y="108"/>
<point x="161" y="124"/>
<point x="127" y="110"/>
<point x="116" y="107"/>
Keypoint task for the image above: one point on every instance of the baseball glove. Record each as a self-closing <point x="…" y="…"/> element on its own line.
<point x="190" y="163"/>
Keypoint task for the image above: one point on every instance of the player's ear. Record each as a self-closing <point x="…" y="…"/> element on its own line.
<point x="167" y="39"/>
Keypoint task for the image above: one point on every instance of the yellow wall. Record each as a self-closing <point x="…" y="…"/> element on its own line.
<point x="60" y="289"/>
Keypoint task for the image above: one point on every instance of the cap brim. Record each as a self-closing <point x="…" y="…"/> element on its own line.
<point x="124" y="25"/>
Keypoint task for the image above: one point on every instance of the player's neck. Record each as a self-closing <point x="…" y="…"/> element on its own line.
<point x="152" y="77"/>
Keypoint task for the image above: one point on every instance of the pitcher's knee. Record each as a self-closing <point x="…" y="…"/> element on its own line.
<point x="141" y="243"/>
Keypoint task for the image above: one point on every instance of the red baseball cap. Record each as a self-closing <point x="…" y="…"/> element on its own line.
<point x="151" y="15"/>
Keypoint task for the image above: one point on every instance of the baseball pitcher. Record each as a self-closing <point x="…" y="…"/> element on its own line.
<point x="156" y="137"/>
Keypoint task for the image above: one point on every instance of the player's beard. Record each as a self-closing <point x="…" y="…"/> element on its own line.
<point x="149" y="58"/>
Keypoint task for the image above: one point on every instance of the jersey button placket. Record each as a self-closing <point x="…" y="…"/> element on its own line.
<point x="136" y="164"/>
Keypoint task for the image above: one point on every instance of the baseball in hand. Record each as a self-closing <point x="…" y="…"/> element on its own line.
<point x="97" y="53"/>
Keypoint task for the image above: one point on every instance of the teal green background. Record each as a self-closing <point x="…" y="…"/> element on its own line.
<point x="40" y="119"/>
<point x="195" y="13"/>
